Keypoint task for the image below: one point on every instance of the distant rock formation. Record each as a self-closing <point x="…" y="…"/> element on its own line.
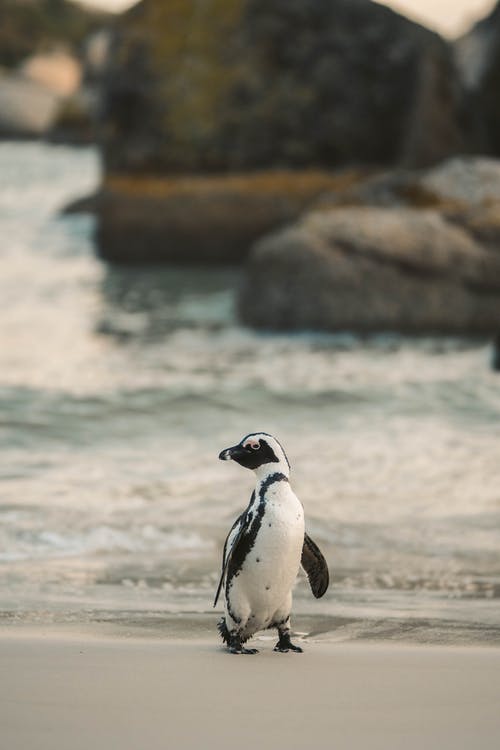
<point x="237" y="85"/>
<point x="235" y="129"/>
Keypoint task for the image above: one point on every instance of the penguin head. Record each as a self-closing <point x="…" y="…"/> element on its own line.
<point x="258" y="451"/>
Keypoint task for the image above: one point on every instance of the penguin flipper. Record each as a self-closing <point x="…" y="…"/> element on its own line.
<point x="315" y="566"/>
<point x="238" y="528"/>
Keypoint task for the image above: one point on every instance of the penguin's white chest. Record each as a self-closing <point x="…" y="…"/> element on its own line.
<point x="268" y="573"/>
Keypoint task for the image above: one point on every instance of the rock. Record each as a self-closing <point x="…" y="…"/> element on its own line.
<point x="96" y="53"/>
<point x="140" y="219"/>
<point x="478" y="58"/>
<point x="464" y="181"/>
<point x="75" y="122"/>
<point x="398" y="187"/>
<point x="35" y="26"/>
<point x="236" y="85"/>
<point x="26" y="108"/>
<point x="89" y="204"/>
<point x="43" y="100"/>
<point x="201" y="219"/>
<point x="495" y="359"/>
<point x="80" y="110"/>
<point x="482" y="223"/>
<point x="372" y="269"/>
<point x="44" y="46"/>
<point x="56" y="70"/>
<point x="465" y="190"/>
<point x="460" y="182"/>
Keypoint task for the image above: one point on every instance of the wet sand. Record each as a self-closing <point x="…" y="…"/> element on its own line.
<point x="74" y="691"/>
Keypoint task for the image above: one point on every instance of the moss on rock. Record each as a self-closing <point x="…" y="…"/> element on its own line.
<point x="203" y="219"/>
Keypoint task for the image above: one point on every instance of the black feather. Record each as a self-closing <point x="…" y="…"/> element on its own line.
<point x="227" y="553"/>
<point x="222" y="628"/>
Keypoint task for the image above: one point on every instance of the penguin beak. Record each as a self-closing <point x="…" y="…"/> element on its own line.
<point x="230" y="453"/>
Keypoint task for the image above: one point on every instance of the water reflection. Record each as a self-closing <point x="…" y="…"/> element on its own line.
<point x="152" y="302"/>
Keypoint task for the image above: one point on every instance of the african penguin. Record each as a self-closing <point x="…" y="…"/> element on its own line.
<point x="264" y="550"/>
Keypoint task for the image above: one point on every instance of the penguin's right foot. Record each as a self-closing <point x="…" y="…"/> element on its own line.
<point x="290" y="647"/>
<point x="285" y="645"/>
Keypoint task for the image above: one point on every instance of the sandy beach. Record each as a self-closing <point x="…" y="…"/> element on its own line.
<point x="64" y="689"/>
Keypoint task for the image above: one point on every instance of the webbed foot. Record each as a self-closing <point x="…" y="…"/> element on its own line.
<point x="290" y="647"/>
<point x="285" y="645"/>
<point x="242" y="650"/>
<point x="235" y="646"/>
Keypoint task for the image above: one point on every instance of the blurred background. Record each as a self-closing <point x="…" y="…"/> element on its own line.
<point x="224" y="216"/>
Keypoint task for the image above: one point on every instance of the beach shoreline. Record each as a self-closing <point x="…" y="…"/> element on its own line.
<point x="76" y="687"/>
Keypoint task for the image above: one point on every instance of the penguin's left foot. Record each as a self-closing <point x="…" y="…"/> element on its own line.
<point x="235" y="645"/>
<point x="242" y="650"/>
<point x="285" y="645"/>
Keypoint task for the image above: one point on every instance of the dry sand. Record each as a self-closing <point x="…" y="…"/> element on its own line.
<point x="63" y="691"/>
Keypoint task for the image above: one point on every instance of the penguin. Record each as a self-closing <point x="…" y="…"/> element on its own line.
<point x="264" y="550"/>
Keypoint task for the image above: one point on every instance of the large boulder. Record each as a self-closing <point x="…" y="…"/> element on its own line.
<point x="372" y="269"/>
<point x="245" y="84"/>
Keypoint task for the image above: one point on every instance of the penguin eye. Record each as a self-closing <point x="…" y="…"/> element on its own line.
<point x="252" y="445"/>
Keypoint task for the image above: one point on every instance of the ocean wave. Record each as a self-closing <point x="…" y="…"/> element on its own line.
<point x="99" y="541"/>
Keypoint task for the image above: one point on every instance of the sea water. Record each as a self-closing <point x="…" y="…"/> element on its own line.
<point x="120" y="386"/>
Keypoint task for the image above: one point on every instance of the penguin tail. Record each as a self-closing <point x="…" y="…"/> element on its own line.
<point x="222" y="628"/>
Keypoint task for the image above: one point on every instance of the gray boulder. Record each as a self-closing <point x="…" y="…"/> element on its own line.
<point x="372" y="269"/>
